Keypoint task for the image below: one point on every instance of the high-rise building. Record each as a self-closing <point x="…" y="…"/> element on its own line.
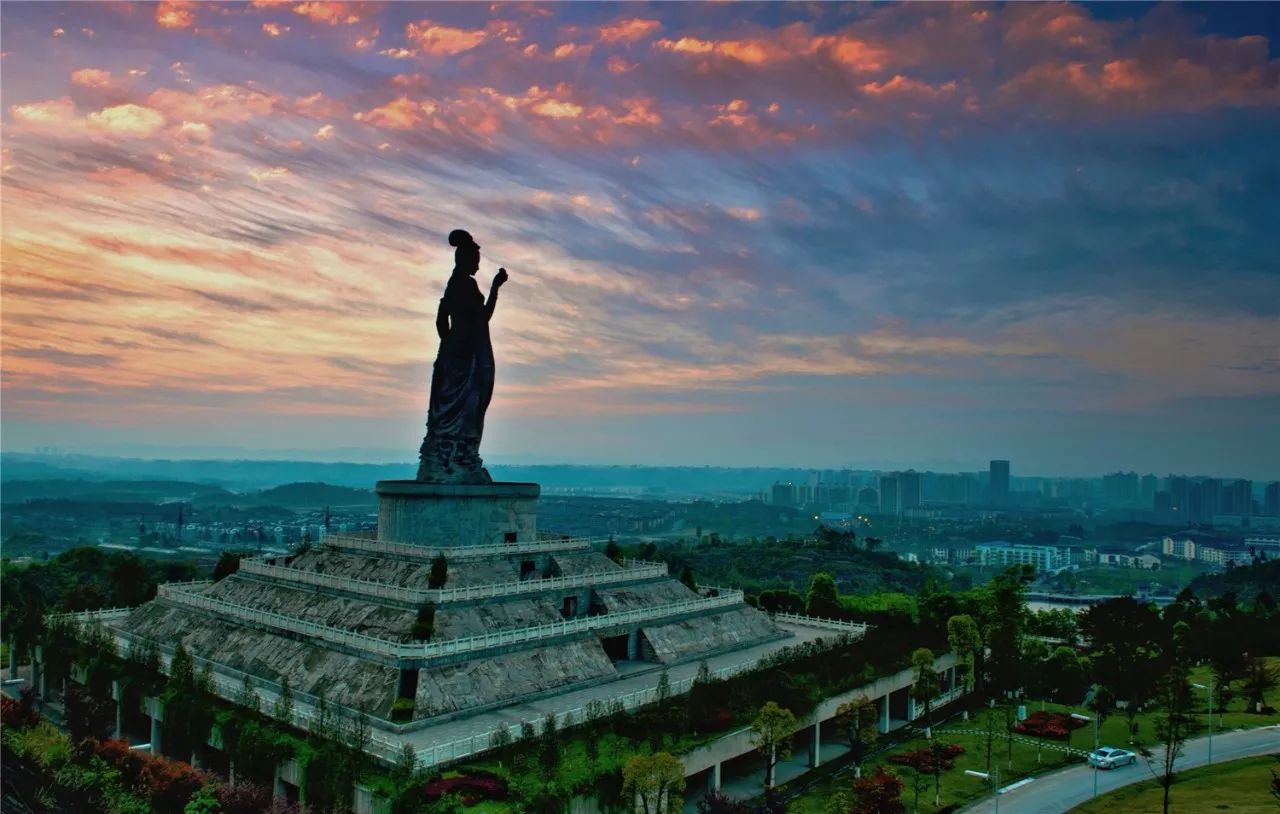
<point x="908" y="490"/>
<point x="1150" y="485"/>
<point x="888" y="494"/>
<point x="1120" y="488"/>
<point x="783" y="494"/>
<point x="1211" y="500"/>
<point x="1163" y="501"/>
<point x="999" y="483"/>
<point x="1239" y="497"/>
<point x="1271" y="499"/>
<point x="1178" y="490"/>
<point x="868" y="498"/>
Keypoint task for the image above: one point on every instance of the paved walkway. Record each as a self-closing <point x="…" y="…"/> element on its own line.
<point x="1063" y="790"/>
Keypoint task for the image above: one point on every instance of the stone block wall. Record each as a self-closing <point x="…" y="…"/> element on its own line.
<point x="689" y="638"/>
<point x="507" y="677"/>
<point x="645" y="595"/>
<point x="343" y="678"/>
<point x="357" y="615"/>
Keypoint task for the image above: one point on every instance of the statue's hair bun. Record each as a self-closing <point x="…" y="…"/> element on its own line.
<point x="460" y="237"/>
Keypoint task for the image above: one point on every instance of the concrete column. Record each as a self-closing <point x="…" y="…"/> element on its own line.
<point x="714" y="781"/>
<point x="156" y="712"/>
<point x="911" y="706"/>
<point x="277" y="787"/>
<point x="633" y="645"/>
<point x="117" y="694"/>
<point x="884" y="713"/>
<point x="815" y="746"/>
<point x="13" y="659"/>
<point x="37" y="671"/>
<point x="155" y="736"/>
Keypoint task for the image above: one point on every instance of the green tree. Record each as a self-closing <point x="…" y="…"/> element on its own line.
<point x="965" y="640"/>
<point x="857" y="720"/>
<point x="1173" y="725"/>
<point x="686" y="577"/>
<point x="657" y="780"/>
<point x="771" y="735"/>
<point x="823" y="599"/>
<point x="1260" y="677"/>
<point x="283" y="709"/>
<point x="439" y="572"/>
<point x="926" y="684"/>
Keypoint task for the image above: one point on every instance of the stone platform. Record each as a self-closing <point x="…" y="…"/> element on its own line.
<point x="456" y="515"/>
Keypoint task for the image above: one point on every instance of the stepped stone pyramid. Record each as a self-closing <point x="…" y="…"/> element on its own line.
<point x="521" y="614"/>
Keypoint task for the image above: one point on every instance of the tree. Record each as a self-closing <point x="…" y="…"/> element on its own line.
<point x="1005" y="621"/>
<point x="1173" y="725"/>
<point x="686" y="577"/>
<point x="881" y="793"/>
<point x="926" y="684"/>
<point x="550" y="748"/>
<point x="823" y="598"/>
<point x="439" y="572"/>
<point x="283" y="709"/>
<point x="228" y="564"/>
<point x="656" y="779"/>
<point x="612" y="551"/>
<point x="965" y="640"/>
<point x="1259" y="679"/>
<point x="857" y="720"/>
<point x="771" y="735"/>
<point x="1127" y="656"/>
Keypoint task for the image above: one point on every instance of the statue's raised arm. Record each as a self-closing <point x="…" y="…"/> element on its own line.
<point x="462" y="381"/>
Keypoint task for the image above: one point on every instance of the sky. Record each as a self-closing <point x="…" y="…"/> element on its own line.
<point x="737" y="234"/>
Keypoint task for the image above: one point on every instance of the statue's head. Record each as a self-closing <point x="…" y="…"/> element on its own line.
<point x="466" y="255"/>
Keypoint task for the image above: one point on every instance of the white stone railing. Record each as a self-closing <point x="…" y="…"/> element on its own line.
<point x="104" y="615"/>
<point x="427" y="553"/>
<point x="630" y="571"/>
<point x="858" y="629"/>
<point x="448" y="647"/>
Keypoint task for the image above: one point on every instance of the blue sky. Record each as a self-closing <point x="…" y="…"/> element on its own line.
<point x="803" y="234"/>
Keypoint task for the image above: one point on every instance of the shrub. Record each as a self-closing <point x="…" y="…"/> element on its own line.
<point x="250" y="798"/>
<point x="425" y="626"/>
<point x="19" y="714"/>
<point x="402" y="709"/>
<point x="922" y="759"/>
<point x="1052" y="725"/>
<point x="439" y="572"/>
<point x="472" y="788"/>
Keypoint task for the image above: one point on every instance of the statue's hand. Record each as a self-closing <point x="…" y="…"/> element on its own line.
<point x="500" y="278"/>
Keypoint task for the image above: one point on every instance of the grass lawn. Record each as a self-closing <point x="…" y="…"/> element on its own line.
<point x="1239" y="787"/>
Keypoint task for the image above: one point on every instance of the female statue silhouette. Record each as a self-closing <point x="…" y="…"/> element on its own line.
<point x="462" y="382"/>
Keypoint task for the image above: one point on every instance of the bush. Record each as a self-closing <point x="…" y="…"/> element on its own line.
<point x="1051" y="725"/>
<point x="472" y="788"/>
<point x="402" y="709"/>
<point x="19" y="714"/>
<point x="922" y="759"/>
<point x="424" y="627"/>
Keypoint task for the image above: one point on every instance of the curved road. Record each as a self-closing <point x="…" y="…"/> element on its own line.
<point x="1060" y="791"/>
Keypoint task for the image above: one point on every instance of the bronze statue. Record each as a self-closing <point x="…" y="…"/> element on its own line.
<point x="462" y="382"/>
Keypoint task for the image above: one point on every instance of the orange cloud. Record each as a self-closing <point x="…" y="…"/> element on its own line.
<point x="327" y="13"/>
<point x="570" y="50"/>
<point x="440" y="40"/>
<point x="174" y="15"/>
<point x="195" y="132"/>
<point x="91" y="78"/>
<point x="218" y="102"/>
<point x="617" y="64"/>
<point x="274" y="29"/>
<point x="127" y="120"/>
<point x="400" y="114"/>
<point x="557" y="109"/>
<point x="629" y="30"/>
<point x="901" y="86"/>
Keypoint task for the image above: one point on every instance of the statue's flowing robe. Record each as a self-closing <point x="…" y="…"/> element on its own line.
<point x="462" y="382"/>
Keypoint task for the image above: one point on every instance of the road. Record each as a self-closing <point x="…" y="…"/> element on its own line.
<point x="1060" y="791"/>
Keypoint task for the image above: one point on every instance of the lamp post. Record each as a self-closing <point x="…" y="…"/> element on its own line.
<point x="1210" y="689"/>
<point x="993" y="776"/>
<point x="1094" y="718"/>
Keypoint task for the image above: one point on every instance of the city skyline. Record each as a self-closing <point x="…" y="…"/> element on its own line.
<point x="914" y="236"/>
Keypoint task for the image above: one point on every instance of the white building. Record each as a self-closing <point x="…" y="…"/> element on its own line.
<point x="1047" y="559"/>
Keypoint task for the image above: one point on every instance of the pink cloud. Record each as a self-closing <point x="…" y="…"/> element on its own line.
<point x="629" y="30"/>
<point x="442" y="40"/>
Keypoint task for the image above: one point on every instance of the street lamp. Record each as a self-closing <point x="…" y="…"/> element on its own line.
<point x="995" y="786"/>
<point x="1210" y="689"/>
<point x="1094" y="718"/>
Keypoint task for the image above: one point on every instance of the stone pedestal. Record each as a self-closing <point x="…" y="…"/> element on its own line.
<point x="437" y="515"/>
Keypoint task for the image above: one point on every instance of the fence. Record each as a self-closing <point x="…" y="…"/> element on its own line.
<point x="423" y="552"/>
<point x="632" y="570"/>
<point x="427" y="650"/>
<point x="859" y="629"/>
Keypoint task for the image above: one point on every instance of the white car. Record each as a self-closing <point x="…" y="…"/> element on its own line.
<point x="1109" y="757"/>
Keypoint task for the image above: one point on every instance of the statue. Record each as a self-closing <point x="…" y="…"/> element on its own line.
<point x="462" y="382"/>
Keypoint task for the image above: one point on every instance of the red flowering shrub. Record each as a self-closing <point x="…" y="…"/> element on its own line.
<point x="167" y="783"/>
<point x="472" y="788"/>
<point x="1052" y="725"/>
<point x="714" y="720"/>
<point x="922" y="759"/>
<point x="19" y="714"/>
<point x="250" y="798"/>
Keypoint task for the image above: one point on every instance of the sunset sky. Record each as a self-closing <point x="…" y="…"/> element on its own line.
<point x="816" y="235"/>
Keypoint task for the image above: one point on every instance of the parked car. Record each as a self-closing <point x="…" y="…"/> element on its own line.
<point x="1109" y="757"/>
